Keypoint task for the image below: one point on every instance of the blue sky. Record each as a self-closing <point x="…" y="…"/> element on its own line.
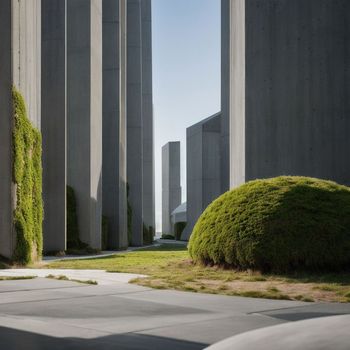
<point x="186" y="74"/>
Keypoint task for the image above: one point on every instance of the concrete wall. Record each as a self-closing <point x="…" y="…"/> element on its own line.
<point x="294" y="115"/>
<point x="114" y="122"/>
<point x="134" y="119"/>
<point x="171" y="187"/>
<point x="20" y="44"/>
<point x="147" y="116"/>
<point x="203" y="168"/>
<point x="84" y="114"/>
<point x="53" y="123"/>
<point x="7" y="241"/>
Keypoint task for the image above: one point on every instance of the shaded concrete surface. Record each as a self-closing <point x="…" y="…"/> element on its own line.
<point x="321" y="333"/>
<point x="50" y="314"/>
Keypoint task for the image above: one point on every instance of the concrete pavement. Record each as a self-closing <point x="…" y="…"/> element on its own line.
<point x="50" y="314"/>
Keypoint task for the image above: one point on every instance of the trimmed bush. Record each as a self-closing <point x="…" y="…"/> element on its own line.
<point x="280" y="224"/>
<point x="178" y="229"/>
<point x="27" y="177"/>
<point x="167" y="236"/>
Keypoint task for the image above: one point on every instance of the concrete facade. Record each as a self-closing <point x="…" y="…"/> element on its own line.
<point x="289" y="89"/>
<point x="20" y="62"/>
<point x="148" y="206"/>
<point x="53" y="124"/>
<point x="134" y="119"/>
<point x="84" y="114"/>
<point x="171" y="186"/>
<point x="114" y="122"/>
<point x="203" y="168"/>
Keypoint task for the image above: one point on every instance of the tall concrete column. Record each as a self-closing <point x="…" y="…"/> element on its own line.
<point x="114" y="122"/>
<point x="225" y="96"/>
<point x="290" y="87"/>
<point x="54" y="112"/>
<point x="171" y="187"/>
<point x="20" y="45"/>
<point x="134" y="119"/>
<point x="84" y="114"/>
<point x="147" y="116"/>
<point x="203" y="168"/>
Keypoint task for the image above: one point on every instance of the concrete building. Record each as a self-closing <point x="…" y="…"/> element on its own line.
<point x="54" y="122"/>
<point x="114" y="122"/>
<point x="84" y="114"/>
<point x="20" y="62"/>
<point x="179" y="214"/>
<point x="203" y="168"/>
<point x="171" y="187"/>
<point x="148" y="206"/>
<point x="289" y="88"/>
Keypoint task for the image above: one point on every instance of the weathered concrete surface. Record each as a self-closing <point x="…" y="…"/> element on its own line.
<point x="320" y="333"/>
<point x="171" y="183"/>
<point x="20" y="45"/>
<point x="53" y="122"/>
<point x="84" y="114"/>
<point x="203" y="168"/>
<point x="225" y="96"/>
<point x="6" y="235"/>
<point x="290" y="74"/>
<point x="134" y="119"/>
<point x="114" y="122"/>
<point x="45" y="313"/>
<point x="147" y="116"/>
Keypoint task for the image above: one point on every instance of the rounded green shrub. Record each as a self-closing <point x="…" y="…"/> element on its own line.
<point x="281" y="224"/>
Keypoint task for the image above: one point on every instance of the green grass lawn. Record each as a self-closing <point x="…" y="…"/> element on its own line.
<point x="170" y="267"/>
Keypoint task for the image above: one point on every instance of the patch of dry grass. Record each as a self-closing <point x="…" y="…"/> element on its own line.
<point x="169" y="267"/>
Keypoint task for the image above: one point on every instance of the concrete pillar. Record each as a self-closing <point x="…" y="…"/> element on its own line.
<point x="84" y="114"/>
<point x="225" y="96"/>
<point x="134" y="119"/>
<point x="203" y="168"/>
<point x="54" y="111"/>
<point x="147" y="116"/>
<point x="20" y="45"/>
<point x="114" y="122"/>
<point x="289" y="89"/>
<point x="171" y="187"/>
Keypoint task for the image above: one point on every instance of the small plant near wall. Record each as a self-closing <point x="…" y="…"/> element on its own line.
<point x="27" y="179"/>
<point x="129" y="214"/>
<point x="148" y="234"/>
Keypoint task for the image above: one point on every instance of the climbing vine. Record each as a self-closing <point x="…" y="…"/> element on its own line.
<point x="27" y="178"/>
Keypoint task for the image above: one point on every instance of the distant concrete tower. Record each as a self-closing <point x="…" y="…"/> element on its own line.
<point x="203" y="168"/>
<point x="289" y="88"/>
<point x="20" y="62"/>
<point x="114" y="122"/>
<point x="171" y="187"/>
<point x="84" y="114"/>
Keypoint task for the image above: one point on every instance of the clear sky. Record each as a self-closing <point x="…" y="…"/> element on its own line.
<point x="186" y="74"/>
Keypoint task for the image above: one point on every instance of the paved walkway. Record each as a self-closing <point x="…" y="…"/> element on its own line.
<point x="49" y="314"/>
